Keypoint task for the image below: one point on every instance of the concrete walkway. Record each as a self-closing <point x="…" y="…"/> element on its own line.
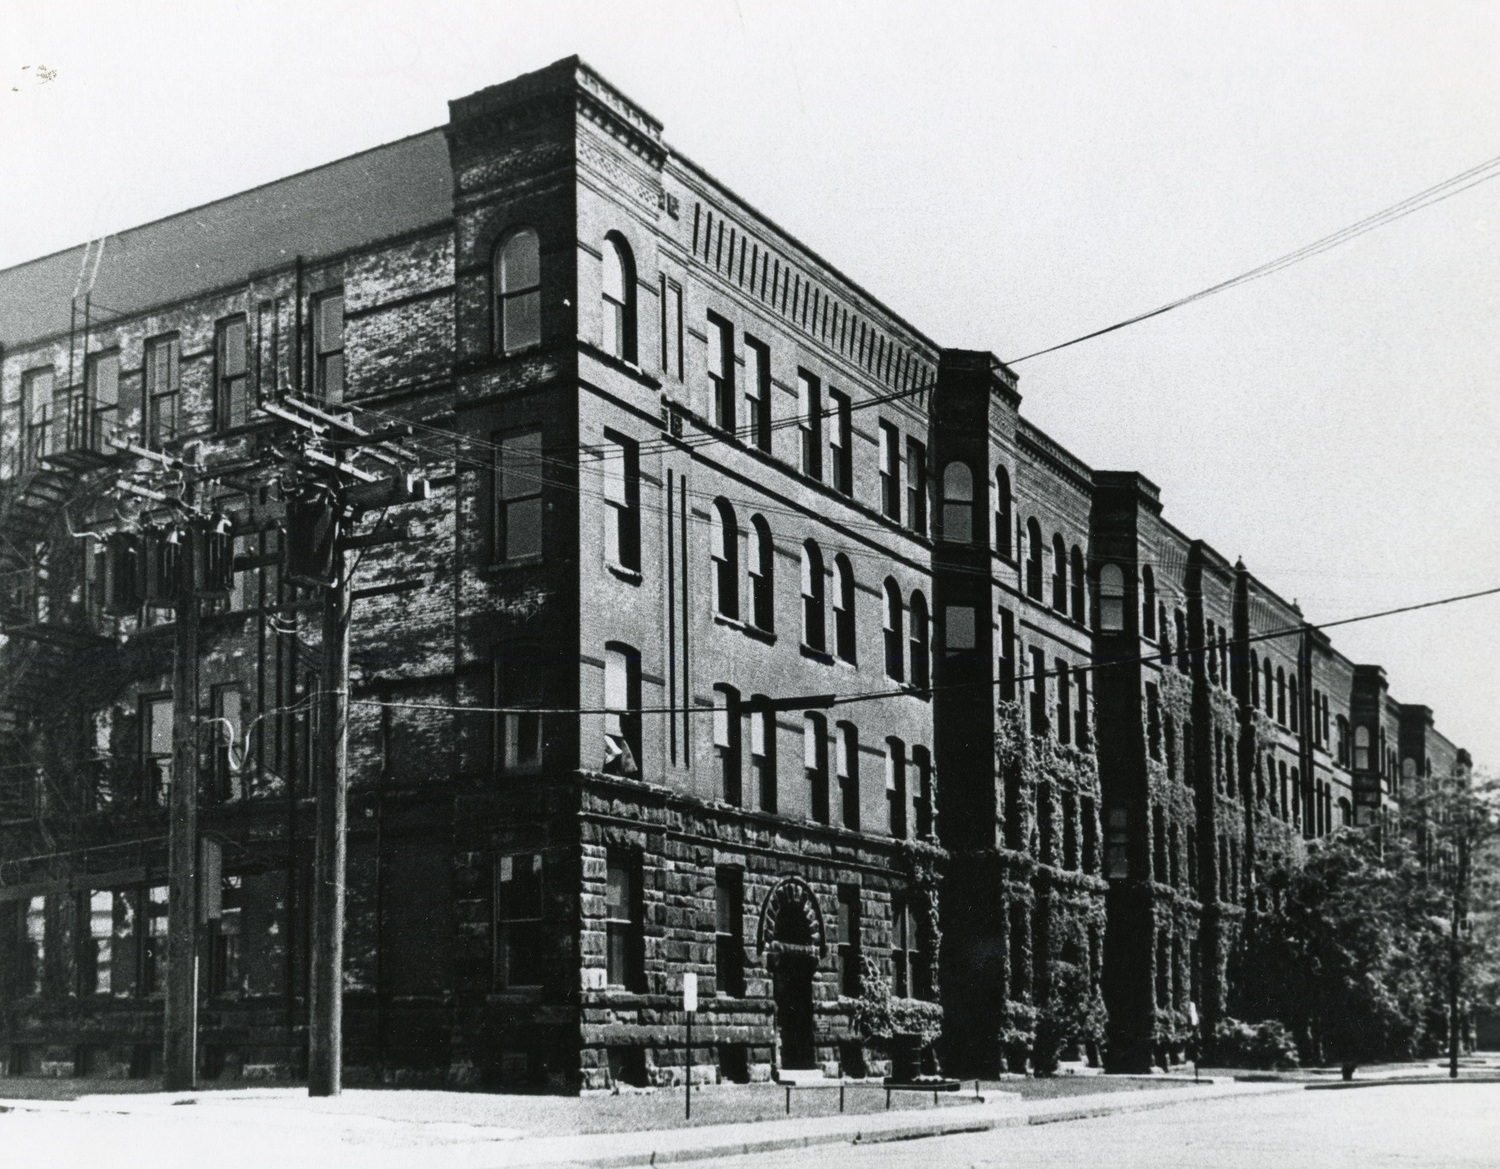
<point x="379" y="1129"/>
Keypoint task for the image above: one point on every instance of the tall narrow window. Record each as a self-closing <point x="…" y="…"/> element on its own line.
<point x="1081" y="732"/>
<point x="1059" y="574"/>
<point x="922" y="803"/>
<point x="849" y="941"/>
<point x="1007" y="656"/>
<point x="97" y="935"/>
<point x="958" y="504"/>
<point x="721" y="370"/>
<point x="894" y="632"/>
<point x="758" y="394"/>
<point x="163" y="381"/>
<point x="623" y="921"/>
<point x="1002" y="512"/>
<point x="1078" y="591"/>
<point x="102" y="415"/>
<point x="328" y="346"/>
<point x="1117" y="844"/>
<point x="520" y="950"/>
<point x="815" y="764"/>
<point x="763" y="755"/>
<point x="518" y="292"/>
<point x="1111" y="598"/>
<point x="1033" y="559"/>
<point x="622" y="701"/>
<point x="1148" y="603"/>
<point x="729" y="931"/>
<point x="42" y="427"/>
<point x="618" y="307"/>
<point x="1038" y="692"/>
<point x="1361" y="748"/>
<point x="1294" y="703"/>
<point x="890" y="471"/>
<point x="1254" y="680"/>
<point x="895" y="787"/>
<point x="916" y="486"/>
<point x="1070" y="831"/>
<point x="843" y="609"/>
<point x="1265" y="670"/>
<point x="518" y="495"/>
<point x="841" y="442"/>
<point x="622" y="493"/>
<point x="846" y="741"/>
<point x="671" y="328"/>
<point x="814" y="623"/>
<point x="518" y="725"/>
<point x="1064" y="702"/>
<point x="228" y="748"/>
<point x="762" y="575"/>
<point x="1281" y="696"/>
<point x="810" y="423"/>
<point x="727" y="743"/>
<point x="726" y="560"/>
<point x="156" y="746"/>
<point x="1153" y="721"/>
<point x="231" y="373"/>
<point x="921" y="643"/>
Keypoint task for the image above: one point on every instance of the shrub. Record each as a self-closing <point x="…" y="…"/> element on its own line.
<point x="1265" y="1046"/>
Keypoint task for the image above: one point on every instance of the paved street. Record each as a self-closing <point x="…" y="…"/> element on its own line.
<point x="1436" y="1127"/>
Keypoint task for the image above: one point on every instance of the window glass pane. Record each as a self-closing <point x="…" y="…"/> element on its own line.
<point x="233" y="354"/>
<point x="106" y="380"/>
<point x="521" y="465"/>
<point x="523" y="529"/>
<point x="522" y="321"/>
<point x="159" y="714"/>
<point x="959" y="622"/>
<point x="614" y="272"/>
<point x="520" y="262"/>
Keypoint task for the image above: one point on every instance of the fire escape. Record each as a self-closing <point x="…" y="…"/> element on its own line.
<point x="46" y="627"/>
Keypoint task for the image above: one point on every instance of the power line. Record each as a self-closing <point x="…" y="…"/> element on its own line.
<point x="1446" y="189"/>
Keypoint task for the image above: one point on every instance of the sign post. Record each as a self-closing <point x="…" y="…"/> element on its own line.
<point x="1197" y="1038"/>
<point x="690" y="1007"/>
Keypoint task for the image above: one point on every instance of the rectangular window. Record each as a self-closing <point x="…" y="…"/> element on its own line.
<point x="916" y="486"/>
<point x="622" y="699"/>
<point x="1091" y="836"/>
<point x="43" y="432"/>
<point x="518" y="733"/>
<point x="154" y="941"/>
<point x="622" y="492"/>
<point x="1081" y="732"/>
<point x="810" y="423"/>
<point x="958" y="628"/>
<point x="1153" y="721"/>
<point x="518" y="495"/>
<point x="841" y="442"/>
<point x="623" y="921"/>
<point x="520" y="958"/>
<point x="671" y="328"/>
<point x="229" y="748"/>
<point x="163" y="382"/>
<point x="909" y="964"/>
<point x="156" y="747"/>
<point x="721" y="370"/>
<point x="102" y="417"/>
<point x="763" y="757"/>
<point x="1117" y="844"/>
<point x="726" y="729"/>
<point x="846" y="740"/>
<point x="1007" y="660"/>
<point x="850" y="950"/>
<point x="1064" y="702"/>
<point x="895" y="787"/>
<point x="890" y="471"/>
<point x="815" y="763"/>
<point x="729" y="931"/>
<point x="1070" y="830"/>
<point x="758" y="393"/>
<point x="1038" y="692"/>
<point x="922" y="805"/>
<point x="231" y="373"/>
<point x="328" y="346"/>
<point x="226" y="932"/>
<point x="97" y="938"/>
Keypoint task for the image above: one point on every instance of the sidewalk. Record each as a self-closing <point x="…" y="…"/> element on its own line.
<point x="375" y="1129"/>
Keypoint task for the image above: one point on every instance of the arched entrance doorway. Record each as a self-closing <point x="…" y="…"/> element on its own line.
<point x="792" y="940"/>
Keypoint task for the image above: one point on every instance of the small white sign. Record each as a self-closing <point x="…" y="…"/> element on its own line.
<point x="1193" y="1014"/>
<point x="690" y="992"/>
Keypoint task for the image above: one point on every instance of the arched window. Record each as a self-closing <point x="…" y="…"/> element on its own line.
<point x="1281" y="696"/>
<point x="1059" y="574"/>
<point x="1346" y="813"/>
<point x="1294" y="716"/>
<point x="843" y="608"/>
<point x="1148" y="603"/>
<point x="893" y="622"/>
<point x="518" y="292"/>
<point x="619" y="299"/>
<point x="1111" y="598"/>
<point x="921" y="642"/>
<point x="762" y="575"/>
<point x="726" y="558"/>
<point x="1361" y="748"/>
<point x="1254" y="679"/>
<point x="1002" y="512"/>
<point x="1078" y="582"/>
<point x="1033" y="559"/>
<point x="813" y="618"/>
<point x="958" y="504"/>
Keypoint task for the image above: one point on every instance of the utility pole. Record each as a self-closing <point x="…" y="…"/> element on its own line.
<point x="180" y="1056"/>
<point x="326" y="1002"/>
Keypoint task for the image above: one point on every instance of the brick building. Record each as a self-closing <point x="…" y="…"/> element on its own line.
<point x="686" y="477"/>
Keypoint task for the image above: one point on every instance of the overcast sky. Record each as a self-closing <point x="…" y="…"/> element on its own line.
<point x="1004" y="175"/>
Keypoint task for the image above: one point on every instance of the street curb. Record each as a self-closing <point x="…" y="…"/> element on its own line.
<point x="1402" y="1081"/>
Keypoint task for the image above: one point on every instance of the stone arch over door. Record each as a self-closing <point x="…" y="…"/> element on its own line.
<point x="792" y="939"/>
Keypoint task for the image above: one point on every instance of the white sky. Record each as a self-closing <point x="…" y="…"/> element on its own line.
<point x="1006" y="176"/>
